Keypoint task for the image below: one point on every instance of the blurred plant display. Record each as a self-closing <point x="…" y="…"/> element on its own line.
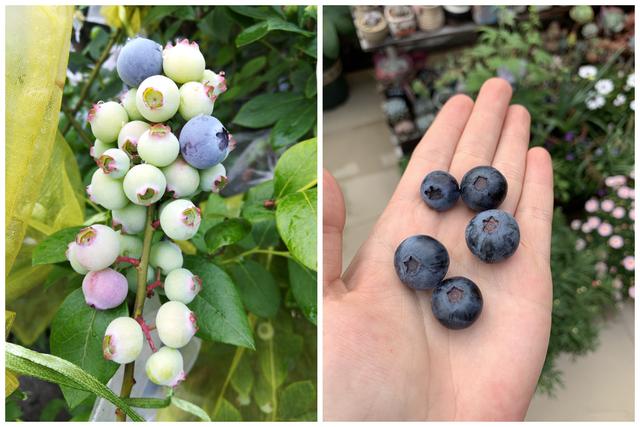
<point x="577" y="80"/>
<point x="256" y="359"/>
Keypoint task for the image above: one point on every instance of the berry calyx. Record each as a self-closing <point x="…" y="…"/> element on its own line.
<point x="180" y="219"/>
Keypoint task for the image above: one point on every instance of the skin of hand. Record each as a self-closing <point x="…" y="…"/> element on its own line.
<point x="386" y="357"/>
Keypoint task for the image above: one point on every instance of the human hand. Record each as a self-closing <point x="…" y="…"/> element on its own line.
<point x="385" y="355"/>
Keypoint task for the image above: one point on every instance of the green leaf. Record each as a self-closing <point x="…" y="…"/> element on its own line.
<point x="54" y="369"/>
<point x="296" y="399"/>
<point x="311" y="87"/>
<point x="278" y="24"/>
<point x="226" y="233"/>
<point x="190" y="408"/>
<point x="52" y="249"/>
<point x="227" y="412"/>
<point x="330" y="40"/>
<point x="252" y="34"/>
<point x="289" y="129"/>
<point x="258" y="12"/>
<point x="157" y="13"/>
<point x="77" y="331"/>
<point x="303" y="285"/>
<point x="266" y="109"/>
<point x="148" y="402"/>
<point x="252" y="68"/>
<point x="258" y="289"/>
<point x="242" y="378"/>
<point x="278" y="356"/>
<point x="296" y="169"/>
<point x="218" y="307"/>
<point x="296" y="219"/>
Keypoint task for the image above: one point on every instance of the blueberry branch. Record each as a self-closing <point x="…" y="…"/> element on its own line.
<point x="77" y="126"/>
<point x="269" y="251"/>
<point x="141" y="293"/>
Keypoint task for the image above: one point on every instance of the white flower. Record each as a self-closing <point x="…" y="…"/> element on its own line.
<point x="632" y="105"/>
<point x="575" y="224"/>
<point x="587" y="72"/>
<point x="604" y="86"/>
<point x="580" y="244"/>
<point x="607" y="205"/>
<point x="620" y="99"/>
<point x="631" y="80"/>
<point x="595" y="103"/>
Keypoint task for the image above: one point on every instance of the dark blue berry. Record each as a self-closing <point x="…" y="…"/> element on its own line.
<point x="139" y="58"/>
<point x="492" y="235"/>
<point x="204" y="142"/>
<point x="456" y="302"/>
<point x="483" y="188"/>
<point x="440" y="190"/>
<point x="421" y="262"/>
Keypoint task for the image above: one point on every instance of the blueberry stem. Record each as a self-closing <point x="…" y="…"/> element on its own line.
<point x="146" y="330"/>
<point x="133" y="261"/>
<point x="269" y="251"/>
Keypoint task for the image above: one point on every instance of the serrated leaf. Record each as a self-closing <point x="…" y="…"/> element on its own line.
<point x="227" y="412"/>
<point x="296" y="169"/>
<point x="54" y="369"/>
<point x="52" y="249"/>
<point x="303" y="286"/>
<point x="296" y="219"/>
<point x="77" y="331"/>
<point x="296" y="399"/>
<point x="191" y="408"/>
<point x="226" y="233"/>
<point x="258" y="289"/>
<point x="266" y="109"/>
<point x="218" y="307"/>
<point x="290" y="129"/>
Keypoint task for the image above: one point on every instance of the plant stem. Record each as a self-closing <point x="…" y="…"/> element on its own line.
<point x="77" y="126"/>
<point x="256" y="251"/>
<point x="141" y="293"/>
<point x="94" y="73"/>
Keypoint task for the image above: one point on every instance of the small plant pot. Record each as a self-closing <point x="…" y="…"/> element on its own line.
<point x="485" y="15"/>
<point x="372" y="26"/>
<point x="396" y="110"/>
<point x="429" y="18"/>
<point x="401" y="19"/>
<point x="457" y="15"/>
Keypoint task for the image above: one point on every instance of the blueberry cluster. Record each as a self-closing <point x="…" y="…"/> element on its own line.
<point x="141" y="162"/>
<point x="492" y="235"/>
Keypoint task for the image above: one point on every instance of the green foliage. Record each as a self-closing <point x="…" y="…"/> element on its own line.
<point x="53" y="248"/>
<point x="337" y="20"/>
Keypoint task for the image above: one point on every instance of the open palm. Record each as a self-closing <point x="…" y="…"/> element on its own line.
<point x="385" y="355"/>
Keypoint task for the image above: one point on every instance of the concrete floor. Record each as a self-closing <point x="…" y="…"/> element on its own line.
<point x="358" y="152"/>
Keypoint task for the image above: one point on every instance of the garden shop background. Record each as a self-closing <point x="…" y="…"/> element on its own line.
<point x="573" y="68"/>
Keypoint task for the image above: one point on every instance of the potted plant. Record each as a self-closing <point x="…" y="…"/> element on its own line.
<point x="429" y="18"/>
<point x="337" y="21"/>
<point x="401" y="19"/>
<point x="372" y="26"/>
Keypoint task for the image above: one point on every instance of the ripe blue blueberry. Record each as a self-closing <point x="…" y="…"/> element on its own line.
<point x="483" y="187"/>
<point x="139" y="58"/>
<point x="421" y="262"/>
<point x="456" y="302"/>
<point x="492" y="235"/>
<point x="440" y="190"/>
<point x="204" y="142"/>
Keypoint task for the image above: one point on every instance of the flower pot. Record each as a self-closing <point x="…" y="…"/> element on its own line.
<point x="485" y="15"/>
<point x="457" y="15"/>
<point x="396" y="110"/>
<point x="372" y="26"/>
<point x="429" y="18"/>
<point x="335" y="89"/>
<point x="401" y="19"/>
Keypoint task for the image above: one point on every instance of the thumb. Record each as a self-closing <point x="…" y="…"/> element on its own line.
<point x="333" y="218"/>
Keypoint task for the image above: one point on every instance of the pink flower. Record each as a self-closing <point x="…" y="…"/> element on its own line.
<point x="632" y="214"/>
<point x="607" y="205"/>
<point x="624" y="192"/>
<point x="601" y="267"/>
<point x="632" y="292"/>
<point x="593" y="221"/>
<point x="605" y="229"/>
<point x="618" y="212"/>
<point x="629" y="262"/>
<point x="617" y="283"/>
<point x="615" y="181"/>
<point x="616" y="242"/>
<point x="585" y="228"/>
<point x="575" y="224"/>
<point x="580" y="244"/>
<point x="591" y="205"/>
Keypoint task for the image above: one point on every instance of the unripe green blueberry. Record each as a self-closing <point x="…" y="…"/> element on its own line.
<point x="130" y="219"/>
<point x="123" y="340"/>
<point x="218" y="81"/>
<point x="106" y="191"/>
<point x="73" y="260"/>
<point x="98" y="148"/>
<point x="166" y="367"/>
<point x="183" y="62"/>
<point x="180" y="219"/>
<point x="130" y="135"/>
<point x="132" y="277"/>
<point x="106" y="119"/>
<point x="158" y="146"/>
<point x="114" y="162"/>
<point x="182" y="285"/>
<point x="182" y="178"/>
<point x="196" y="98"/>
<point x="104" y="289"/>
<point x="166" y="256"/>
<point x="128" y="101"/>
<point x="97" y="247"/>
<point x="144" y="184"/>
<point x="130" y="246"/>
<point x="158" y="99"/>
<point x="214" y="178"/>
<point x="176" y="324"/>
